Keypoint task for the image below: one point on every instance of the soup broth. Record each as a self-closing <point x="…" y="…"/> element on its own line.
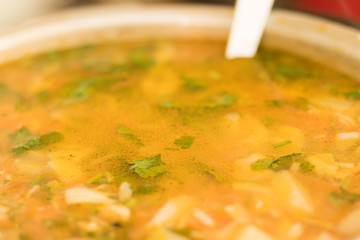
<point x="169" y="140"/>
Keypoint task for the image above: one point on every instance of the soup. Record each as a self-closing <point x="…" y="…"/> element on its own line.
<point x="168" y="140"/>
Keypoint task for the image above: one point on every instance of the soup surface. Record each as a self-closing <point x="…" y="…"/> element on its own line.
<point x="168" y="140"/>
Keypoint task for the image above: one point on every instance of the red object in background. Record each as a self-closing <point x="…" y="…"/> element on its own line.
<point x="348" y="10"/>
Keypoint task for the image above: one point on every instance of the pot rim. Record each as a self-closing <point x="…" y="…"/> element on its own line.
<point x="312" y="37"/>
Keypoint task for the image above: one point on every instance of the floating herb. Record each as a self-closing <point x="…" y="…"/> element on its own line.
<point x="281" y="144"/>
<point x="144" y="189"/>
<point x="354" y="95"/>
<point x="192" y="84"/>
<point x="184" y="142"/>
<point x="275" y="103"/>
<point x="220" y="100"/>
<point x="129" y="135"/>
<point x="277" y="164"/>
<point x="25" y="141"/>
<point x="148" y="167"/>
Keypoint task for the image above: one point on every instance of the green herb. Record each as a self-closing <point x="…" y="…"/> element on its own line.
<point x="118" y="68"/>
<point x="354" y="95"/>
<point x="277" y="164"/>
<point x="291" y="72"/>
<point x="24" y="237"/>
<point x="220" y="100"/>
<point x="167" y="104"/>
<point x="141" y="63"/>
<point x="262" y="164"/>
<point x="281" y="144"/>
<point x="32" y="144"/>
<point x="6" y="181"/>
<point x="148" y="167"/>
<point x="183" y="232"/>
<point x="21" y="135"/>
<point x="210" y="171"/>
<point x="184" y="142"/>
<point x="53" y="55"/>
<point x="98" y="179"/>
<point x="336" y="198"/>
<point x="144" y="189"/>
<point x="305" y="166"/>
<point x="54" y="223"/>
<point x="51" y="138"/>
<point x="275" y="103"/>
<point x="24" y="140"/>
<point x="37" y="181"/>
<point x="342" y="197"/>
<point x="192" y="84"/>
<point x="43" y="96"/>
<point x="81" y="89"/>
<point x="302" y="103"/>
<point x="129" y="135"/>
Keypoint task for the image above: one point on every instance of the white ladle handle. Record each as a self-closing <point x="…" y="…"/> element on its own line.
<point x="248" y="25"/>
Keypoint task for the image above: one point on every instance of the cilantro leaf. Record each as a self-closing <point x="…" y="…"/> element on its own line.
<point x="148" y="167"/>
<point x="302" y="104"/>
<point x="129" y="135"/>
<point x="81" y="89"/>
<point x="192" y="84"/>
<point x="31" y="144"/>
<point x="220" y="100"/>
<point x="275" y="103"/>
<point x="98" y="179"/>
<point x="306" y="166"/>
<point x="291" y="72"/>
<point x="276" y="164"/>
<point x="184" y="142"/>
<point x="25" y="141"/>
<point x="353" y="95"/>
<point x="277" y="145"/>
<point x="167" y="104"/>
<point x="262" y="164"/>
<point x="144" y="189"/>
<point x="210" y="171"/>
<point x="21" y="135"/>
<point x="51" y="138"/>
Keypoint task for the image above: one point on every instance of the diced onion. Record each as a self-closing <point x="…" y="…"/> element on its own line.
<point x="348" y="135"/>
<point x="125" y="192"/>
<point x="203" y="217"/>
<point x="78" y="195"/>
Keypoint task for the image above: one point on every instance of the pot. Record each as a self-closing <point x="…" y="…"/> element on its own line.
<point x="318" y="39"/>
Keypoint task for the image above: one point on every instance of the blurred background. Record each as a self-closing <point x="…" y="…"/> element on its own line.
<point x="13" y="12"/>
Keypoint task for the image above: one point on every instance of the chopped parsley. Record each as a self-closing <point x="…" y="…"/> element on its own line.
<point x="167" y="104"/>
<point x="275" y="103"/>
<point x="306" y="166"/>
<point x="144" y="189"/>
<point x="302" y="104"/>
<point x="98" y="179"/>
<point x="220" y="100"/>
<point x="148" y="167"/>
<point x="25" y="141"/>
<point x="81" y="89"/>
<point x="262" y="164"/>
<point x="284" y="71"/>
<point x="281" y="144"/>
<point x="129" y="135"/>
<point x="282" y="163"/>
<point x="353" y="95"/>
<point x="209" y="171"/>
<point x="184" y="142"/>
<point x="192" y="84"/>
